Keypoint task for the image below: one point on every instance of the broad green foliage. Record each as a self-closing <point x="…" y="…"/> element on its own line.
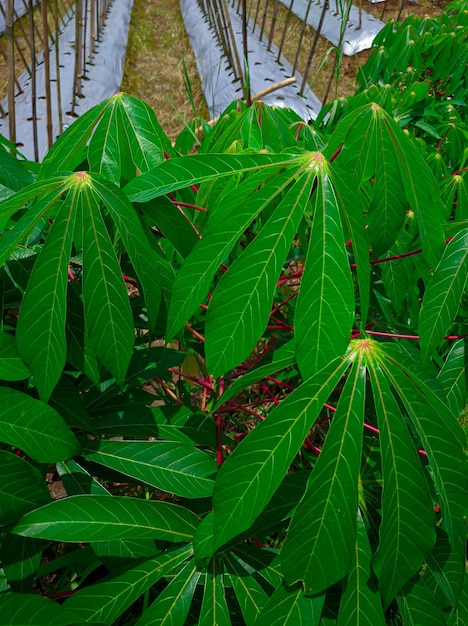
<point x="247" y="366"/>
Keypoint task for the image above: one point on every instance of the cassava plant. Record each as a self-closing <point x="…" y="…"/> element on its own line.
<point x="247" y="366"/>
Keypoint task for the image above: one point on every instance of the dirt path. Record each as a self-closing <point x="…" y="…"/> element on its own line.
<point x="159" y="56"/>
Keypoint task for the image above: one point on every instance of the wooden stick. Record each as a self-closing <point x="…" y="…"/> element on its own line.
<point x="10" y="35"/>
<point x="258" y="96"/>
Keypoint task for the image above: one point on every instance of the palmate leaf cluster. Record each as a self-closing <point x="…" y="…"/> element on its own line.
<point x="246" y="365"/>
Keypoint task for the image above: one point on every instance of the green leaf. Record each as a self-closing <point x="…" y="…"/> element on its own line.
<point x="105" y="601"/>
<point x="320" y="542"/>
<point x="418" y="605"/>
<point x="17" y="609"/>
<point x="236" y="213"/>
<point x="250" y="476"/>
<point x="361" y="604"/>
<point x="249" y="593"/>
<point x="35" y="428"/>
<point x="144" y="259"/>
<point x="76" y="480"/>
<point x="12" y="367"/>
<point x="69" y="403"/>
<point x="69" y="150"/>
<point x="108" y="316"/>
<point x="325" y="306"/>
<point x="173" y="467"/>
<point x="443" y="294"/>
<point x="284" y="356"/>
<point x="42" y="196"/>
<point x="128" y="137"/>
<point x="288" y="606"/>
<point x="214" y="610"/>
<point x="24" y="490"/>
<point x="240" y="307"/>
<point x="100" y="518"/>
<point x="41" y="324"/>
<point x="446" y="455"/>
<point x="172" y="605"/>
<point x="352" y="208"/>
<point x="182" y="172"/>
<point x="459" y="616"/>
<point x="21" y="558"/>
<point x="407" y="531"/>
<point x="453" y="377"/>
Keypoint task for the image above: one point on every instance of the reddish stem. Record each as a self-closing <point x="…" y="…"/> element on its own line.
<point x="198" y="381"/>
<point x="219" y="432"/>
<point x="277" y="308"/>
<point x="195" y="207"/>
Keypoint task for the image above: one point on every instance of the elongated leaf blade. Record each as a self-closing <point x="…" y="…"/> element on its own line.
<point x="249" y="477"/>
<point x="325" y="307"/>
<point x="214" y="610"/>
<point x="172" y="605"/>
<point x="361" y="604"/>
<point x="21" y="558"/>
<point x="239" y="309"/>
<point x="100" y="518"/>
<point x="453" y="376"/>
<point x="172" y="467"/>
<point x="181" y="172"/>
<point x="41" y="194"/>
<point x="352" y="210"/>
<point x="288" y="606"/>
<point x="70" y="148"/>
<point x="198" y="270"/>
<point x="144" y="259"/>
<point x="446" y="455"/>
<point x="35" y="428"/>
<point x="12" y="367"/>
<point x="24" y="490"/>
<point x="41" y="324"/>
<point x="443" y="294"/>
<point x="18" y="609"/>
<point x="321" y="538"/>
<point x="421" y="191"/>
<point x="107" y="600"/>
<point x="418" y="605"/>
<point x="249" y="593"/>
<point x="407" y="531"/>
<point x="108" y="316"/>
<point x="282" y="357"/>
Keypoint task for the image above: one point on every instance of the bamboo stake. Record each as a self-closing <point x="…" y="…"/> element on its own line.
<point x="84" y="39"/>
<point x="246" y="51"/>
<point x="301" y="36"/>
<point x="264" y="20"/>
<point x="33" y="81"/>
<point x="92" y="33"/>
<point x="5" y="58"/>
<point x="36" y="28"/>
<point x="273" y="25"/>
<point x="78" y="56"/>
<point x="314" y="47"/>
<point x="10" y="35"/>
<point x="258" y="96"/>
<point x="16" y="43"/>
<point x="45" y="38"/>
<point x="285" y="30"/>
<point x="256" y="15"/>
<point x="58" y="82"/>
<point x="232" y="39"/>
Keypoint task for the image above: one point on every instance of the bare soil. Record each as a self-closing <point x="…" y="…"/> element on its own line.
<point x="158" y="56"/>
<point x="159" y="49"/>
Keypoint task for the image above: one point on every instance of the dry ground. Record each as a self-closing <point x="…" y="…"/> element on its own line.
<point x="159" y="50"/>
<point x="158" y="57"/>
